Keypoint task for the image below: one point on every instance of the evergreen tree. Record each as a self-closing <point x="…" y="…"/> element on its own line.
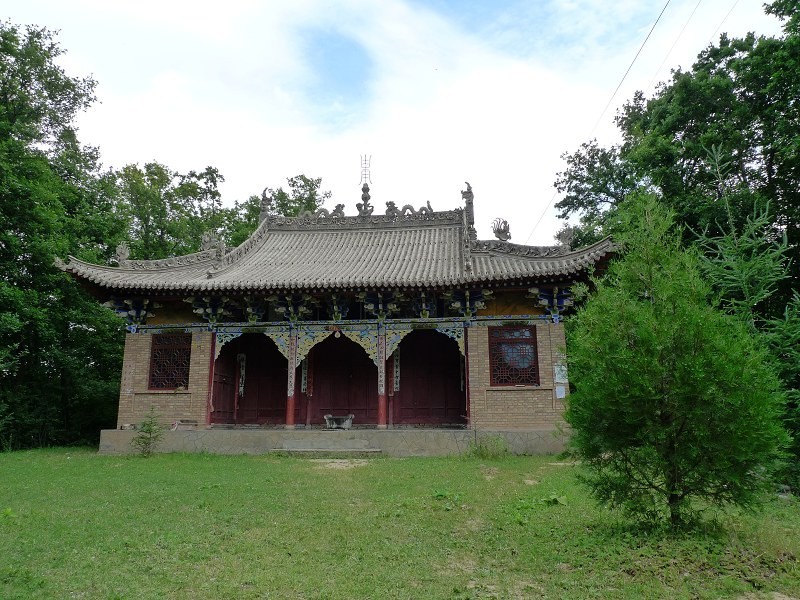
<point x="674" y="400"/>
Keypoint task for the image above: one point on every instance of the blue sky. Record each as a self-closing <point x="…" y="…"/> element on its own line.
<point x="438" y="92"/>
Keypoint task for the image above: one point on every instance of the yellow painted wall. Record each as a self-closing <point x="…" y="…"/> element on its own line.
<point x="172" y="312"/>
<point x="511" y="303"/>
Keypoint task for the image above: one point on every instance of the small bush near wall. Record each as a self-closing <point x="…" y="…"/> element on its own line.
<point x="488" y="447"/>
<point x="148" y="434"/>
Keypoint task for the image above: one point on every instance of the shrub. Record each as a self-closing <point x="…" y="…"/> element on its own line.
<point x="148" y="434"/>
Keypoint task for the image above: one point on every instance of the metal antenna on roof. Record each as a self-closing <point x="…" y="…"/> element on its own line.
<point x="365" y="162"/>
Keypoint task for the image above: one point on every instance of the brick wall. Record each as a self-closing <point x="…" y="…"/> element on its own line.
<point x="516" y="407"/>
<point x="135" y="399"/>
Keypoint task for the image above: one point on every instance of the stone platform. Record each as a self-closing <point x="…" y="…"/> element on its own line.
<point x="386" y="442"/>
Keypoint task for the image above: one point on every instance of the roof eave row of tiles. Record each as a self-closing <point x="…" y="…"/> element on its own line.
<point x="192" y="277"/>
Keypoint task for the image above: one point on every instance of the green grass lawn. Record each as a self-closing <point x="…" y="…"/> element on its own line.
<point x="77" y="525"/>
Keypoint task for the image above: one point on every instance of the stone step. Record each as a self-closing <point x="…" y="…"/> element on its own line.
<point x="325" y="440"/>
<point x="330" y="452"/>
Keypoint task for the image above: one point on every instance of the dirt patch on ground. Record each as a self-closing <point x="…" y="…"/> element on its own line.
<point x="469" y="526"/>
<point x="772" y="596"/>
<point x="489" y="473"/>
<point x="464" y="564"/>
<point x="339" y="463"/>
<point x="530" y="481"/>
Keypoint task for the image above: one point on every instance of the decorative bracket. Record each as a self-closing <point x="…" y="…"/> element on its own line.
<point x="255" y="308"/>
<point x="338" y="307"/>
<point x="553" y="300"/>
<point x="424" y="305"/>
<point x="135" y="310"/>
<point x="467" y="303"/>
<point x="222" y="339"/>
<point x="294" y="307"/>
<point x="455" y="333"/>
<point x="210" y="308"/>
<point x="381" y="305"/>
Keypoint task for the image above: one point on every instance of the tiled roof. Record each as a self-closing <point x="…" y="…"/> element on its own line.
<point x="432" y="249"/>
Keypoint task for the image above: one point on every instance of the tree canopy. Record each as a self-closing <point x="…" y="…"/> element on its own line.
<point x="304" y="195"/>
<point x="739" y="98"/>
<point x="60" y="350"/>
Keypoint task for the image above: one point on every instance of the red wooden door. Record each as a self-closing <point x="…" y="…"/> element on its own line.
<point x="264" y="395"/>
<point x="222" y="398"/>
<point x="430" y="381"/>
<point x="345" y="382"/>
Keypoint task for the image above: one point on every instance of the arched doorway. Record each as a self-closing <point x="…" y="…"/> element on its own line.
<point x="250" y="381"/>
<point x="431" y="383"/>
<point x="344" y="381"/>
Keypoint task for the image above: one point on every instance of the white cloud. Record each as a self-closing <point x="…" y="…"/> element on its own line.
<point x="494" y="101"/>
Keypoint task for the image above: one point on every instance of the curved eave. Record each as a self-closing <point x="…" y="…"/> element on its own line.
<point x="430" y="257"/>
<point x="168" y="277"/>
<point x="498" y="265"/>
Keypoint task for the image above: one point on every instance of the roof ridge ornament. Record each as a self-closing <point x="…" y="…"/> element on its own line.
<point x="322" y="213"/>
<point x="566" y="236"/>
<point x="364" y="207"/>
<point x="469" y="212"/>
<point x="266" y="206"/>
<point x="122" y="254"/>
<point x="407" y="210"/>
<point x="211" y="241"/>
<point x="501" y="229"/>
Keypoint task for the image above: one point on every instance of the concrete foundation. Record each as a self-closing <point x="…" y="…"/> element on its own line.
<point x="391" y="442"/>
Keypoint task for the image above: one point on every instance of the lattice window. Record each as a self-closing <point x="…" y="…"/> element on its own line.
<point x="170" y="355"/>
<point x="512" y="356"/>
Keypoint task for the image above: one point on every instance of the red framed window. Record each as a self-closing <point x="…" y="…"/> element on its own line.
<point x="513" y="359"/>
<point x="170" y="355"/>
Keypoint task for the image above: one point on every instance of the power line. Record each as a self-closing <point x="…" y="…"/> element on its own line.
<point x="675" y="43"/>
<point x="546" y="208"/>
<point x="721" y="23"/>
<point x="610" y="100"/>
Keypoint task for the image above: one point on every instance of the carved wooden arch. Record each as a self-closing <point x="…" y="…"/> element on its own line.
<point x="368" y="339"/>
<point x="456" y="333"/>
<point x="306" y="340"/>
<point x="394" y="336"/>
<point x="282" y="340"/>
<point x="222" y="339"/>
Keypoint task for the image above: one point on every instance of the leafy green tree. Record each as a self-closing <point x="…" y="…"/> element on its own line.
<point x="720" y="144"/>
<point x="304" y="195"/>
<point x="38" y="101"/>
<point x="783" y="336"/>
<point x="740" y="96"/>
<point x="788" y="10"/>
<point x="58" y="382"/>
<point x="241" y="221"/>
<point x="674" y="400"/>
<point x="595" y="182"/>
<point x="169" y="212"/>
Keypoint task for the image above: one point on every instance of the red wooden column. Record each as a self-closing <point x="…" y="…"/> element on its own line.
<point x="211" y="362"/>
<point x="290" y="384"/>
<point x="466" y="375"/>
<point x="382" y="408"/>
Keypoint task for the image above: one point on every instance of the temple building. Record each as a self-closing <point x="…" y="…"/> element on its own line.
<point x="398" y="329"/>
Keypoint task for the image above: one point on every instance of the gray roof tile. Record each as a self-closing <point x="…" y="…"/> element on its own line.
<point x="347" y="252"/>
